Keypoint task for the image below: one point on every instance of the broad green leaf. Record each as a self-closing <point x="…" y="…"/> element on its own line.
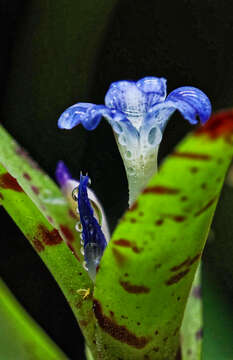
<point x="192" y="324"/>
<point x="40" y="188"/>
<point x="148" y="268"/>
<point x="41" y="212"/>
<point x="20" y="337"/>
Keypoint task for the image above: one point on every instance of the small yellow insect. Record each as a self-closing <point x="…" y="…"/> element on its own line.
<point x="84" y="293"/>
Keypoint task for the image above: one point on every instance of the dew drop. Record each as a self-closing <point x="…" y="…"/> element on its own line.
<point x="85" y="265"/>
<point x="152" y="136"/>
<point x="131" y="170"/>
<point x="75" y="194"/>
<point x="128" y="154"/>
<point x="79" y="227"/>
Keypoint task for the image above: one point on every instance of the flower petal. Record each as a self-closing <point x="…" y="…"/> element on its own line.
<point x="192" y="103"/>
<point x="155" y="89"/>
<point x="93" y="237"/>
<point x="62" y="174"/>
<point x="127" y="98"/>
<point x="189" y="101"/>
<point x="89" y="115"/>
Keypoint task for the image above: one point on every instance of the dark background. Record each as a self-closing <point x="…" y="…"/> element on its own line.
<point x="53" y="55"/>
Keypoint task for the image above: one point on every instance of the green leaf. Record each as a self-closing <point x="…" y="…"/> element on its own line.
<point x="41" y="212"/>
<point x="148" y="268"/>
<point x="192" y="327"/>
<point x="20" y="337"/>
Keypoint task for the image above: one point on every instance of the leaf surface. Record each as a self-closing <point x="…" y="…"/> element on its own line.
<point x="20" y="337"/>
<point x="147" y="270"/>
<point x="41" y="212"/>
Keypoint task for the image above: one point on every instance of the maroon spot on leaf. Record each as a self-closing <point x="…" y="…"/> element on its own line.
<point x="199" y="334"/>
<point x="124" y="317"/>
<point x="156" y="332"/>
<point x="24" y="154"/>
<point x="119" y="332"/>
<point x="97" y="268"/>
<point x="187" y="262"/>
<point x="38" y="245"/>
<point x="219" y="125"/>
<point x="176" y="278"/>
<point x="156" y="349"/>
<point x="35" y="190"/>
<point x="134" y="206"/>
<point x="194" y="259"/>
<point x="138" y="323"/>
<point x="133" y="220"/>
<point x="204" y="208"/>
<point x="194" y="170"/>
<point x="179" y="266"/>
<point x="165" y="339"/>
<point x="119" y="257"/>
<point x="159" y="189"/>
<point x="157" y="266"/>
<point x="134" y="289"/>
<point x="189" y="352"/>
<point x="49" y="238"/>
<point x="179" y="218"/>
<point x="203" y="186"/>
<point x="111" y="313"/>
<point x="126" y="274"/>
<point x="68" y="234"/>
<point x="72" y="214"/>
<point x="9" y="182"/>
<point x="190" y="155"/>
<point x="127" y="243"/>
<point x="83" y="323"/>
<point x="178" y="298"/>
<point x="1" y="196"/>
<point x="27" y="176"/>
<point x="184" y="198"/>
<point x="159" y="222"/>
<point x="197" y="292"/>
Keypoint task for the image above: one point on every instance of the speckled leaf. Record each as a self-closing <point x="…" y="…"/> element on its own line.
<point x="192" y="328"/>
<point x="40" y="188"/>
<point x="41" y="212"/>
<point x="148" y="268"/>
<point x="20" y="337"/>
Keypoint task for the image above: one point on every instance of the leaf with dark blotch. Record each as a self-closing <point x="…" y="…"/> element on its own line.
<point x="172" y="218"/>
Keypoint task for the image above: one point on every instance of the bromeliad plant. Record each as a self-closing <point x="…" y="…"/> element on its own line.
<point x="132" y="296"/>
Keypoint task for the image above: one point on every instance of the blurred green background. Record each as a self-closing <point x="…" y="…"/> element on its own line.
<point x="54" y="54"/>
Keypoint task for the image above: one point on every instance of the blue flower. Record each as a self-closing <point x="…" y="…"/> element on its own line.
<point x="94" y="241"/>
<point x="138" y="113"/>
<point x="95" y="234"/>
